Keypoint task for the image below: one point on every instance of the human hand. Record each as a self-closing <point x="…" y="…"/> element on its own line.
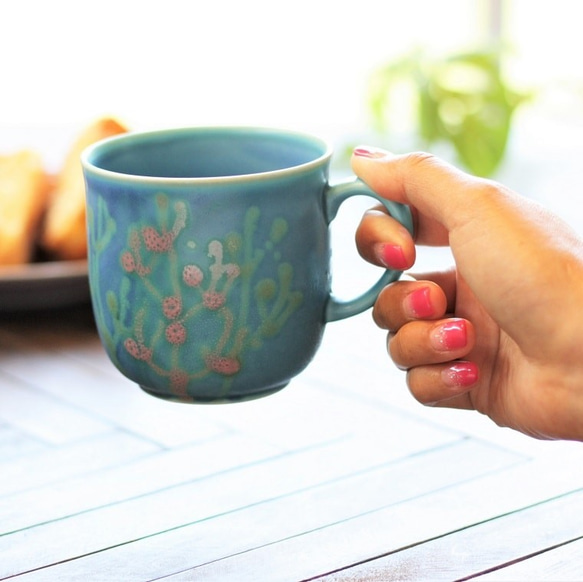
<point x="501" y="333"/>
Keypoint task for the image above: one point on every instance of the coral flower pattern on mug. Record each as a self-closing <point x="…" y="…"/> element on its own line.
<point x="187" y="306"/>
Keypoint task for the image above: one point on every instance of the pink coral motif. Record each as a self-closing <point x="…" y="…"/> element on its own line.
<point x="213" y="300"/>
<point x="179" y="380"/>
<point x="180" y="221"/>
<point x="142" y="271"/>
<point x="137" y="350"/>
<point x="131" y="345"/>
<point x="135" y="242"/>
<point x="176" y="333"/>
<point x="156" y="242"/>
<point x="232" y="271"/>
<point x="128" y="262"/>
<point x="192" y="275"/>
<point x="172" y="306"/>
<point x="223" y="365"/>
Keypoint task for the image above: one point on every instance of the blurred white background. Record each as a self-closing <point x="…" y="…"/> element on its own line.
<point x="303" y="64"/>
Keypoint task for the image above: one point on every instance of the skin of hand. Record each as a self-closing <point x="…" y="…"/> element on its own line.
<point x="502" y="331"/>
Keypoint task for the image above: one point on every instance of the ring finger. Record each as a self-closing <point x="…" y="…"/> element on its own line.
<point x="420" y="343"/>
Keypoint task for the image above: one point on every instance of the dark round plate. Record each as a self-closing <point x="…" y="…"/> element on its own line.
<point x="43" y="285"/>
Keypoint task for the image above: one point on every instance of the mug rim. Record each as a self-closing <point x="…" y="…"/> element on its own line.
<point x="94" y="149"/>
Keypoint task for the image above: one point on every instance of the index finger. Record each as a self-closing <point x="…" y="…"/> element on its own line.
<point x="444" y="196"/>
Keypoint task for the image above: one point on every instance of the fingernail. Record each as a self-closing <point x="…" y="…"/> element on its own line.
<point x="460" y="375"/>
<point x="448" y="336"/>
<point x="369" y="152"/>
<point x="391" y="256"/>
<point x="419" y="303"/>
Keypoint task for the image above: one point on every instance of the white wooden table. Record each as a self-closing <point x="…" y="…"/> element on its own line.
<point x="340" y="476"/>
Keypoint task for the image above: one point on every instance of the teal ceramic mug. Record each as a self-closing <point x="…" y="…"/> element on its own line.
<point x="209" y="257"/>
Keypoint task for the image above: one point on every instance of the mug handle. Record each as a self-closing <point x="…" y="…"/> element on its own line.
<point x="335" y="196"/>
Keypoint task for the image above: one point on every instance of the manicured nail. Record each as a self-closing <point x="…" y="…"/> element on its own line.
<point x="391" y="256"/>
<point x="419" y="303"/>
<point x="460" y="375"/>
<point x="451" y="335"/>
<point x="369" y="152"/>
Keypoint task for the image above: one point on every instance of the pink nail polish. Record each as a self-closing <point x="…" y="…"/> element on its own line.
<point x="451" y="335"/>
<point x="392" y="257"/>
<point x="368" y="152"/>
<point x="460" y="375"/>
<point x="419" y="303"/>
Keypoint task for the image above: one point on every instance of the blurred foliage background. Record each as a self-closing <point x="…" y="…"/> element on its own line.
<point x="462" y="99"/>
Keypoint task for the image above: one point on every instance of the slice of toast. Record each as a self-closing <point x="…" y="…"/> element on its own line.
<point x="23" y="194"/>
<point x="64" y="235"/>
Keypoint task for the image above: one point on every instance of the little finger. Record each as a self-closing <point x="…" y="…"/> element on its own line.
<point x="444" y="385"/>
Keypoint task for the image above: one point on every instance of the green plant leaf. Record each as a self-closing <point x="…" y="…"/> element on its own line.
<point x="463" y="100"/>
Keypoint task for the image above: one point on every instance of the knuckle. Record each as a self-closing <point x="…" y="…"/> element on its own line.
<point x="420" y="157"/>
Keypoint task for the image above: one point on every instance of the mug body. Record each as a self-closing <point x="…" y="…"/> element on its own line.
<point x="209" y="258"/>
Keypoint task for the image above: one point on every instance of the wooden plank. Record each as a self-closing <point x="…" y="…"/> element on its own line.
<point x="304" y="414"/>
<point x="80" y="344"/>
<point x="270" y="510"/>
<point x="110" y="398"/>
<point x="486" y="546"/>
<point x="564" y="563"/>
<point x="54" y="465"/>
<point x="15" y="443"/>
<point x="45" y="417"/>
<point x="119" y="480"/>
<point x="189" y="502"/>
<point x="395" y="527"/>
